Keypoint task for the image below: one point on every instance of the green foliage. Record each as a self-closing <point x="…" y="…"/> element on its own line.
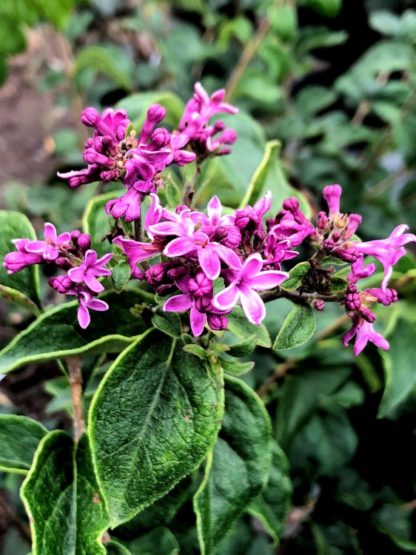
<point x="62" y="498"/>
<point x="56" y="334"/>
<point x="153" y="418"/>
<point x="297" y="328"/>
<point x="19" y="437"/>
<point x="22" y="287"/>
<point x="238" y="467"/>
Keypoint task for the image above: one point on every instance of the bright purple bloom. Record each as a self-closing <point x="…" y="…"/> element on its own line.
<point x="50" y="247"/>
<point x="383" y="296"/>
<point x="127" y="206"/>
<point x="387" y="251"/>
<point x="17" y="261"/>
<point x="252" y="216"/>
<point x="364" y="332"/>
<point x="136" y="252"/>
<point x="87" y="302"/>
<point x="91" y="268"/>
<point x="245" y="283"/>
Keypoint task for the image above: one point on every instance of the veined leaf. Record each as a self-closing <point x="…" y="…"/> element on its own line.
<point x="153" y="419"/>
<point x="56" y="333"/>
<point x="237" y="468"/>
<point x="21" y="287"/>
<point x="243" y="329"/>
<point x="298" y="327"/>
<point x="62" y="499"/>
<point x="19" y="439"/>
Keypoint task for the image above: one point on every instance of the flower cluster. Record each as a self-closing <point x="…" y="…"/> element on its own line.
<point x="70" y="252"/>
<point x="116" y="152"/>
<point x="205" y="263"/>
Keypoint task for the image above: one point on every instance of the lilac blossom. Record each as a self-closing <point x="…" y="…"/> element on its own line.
<point x="17" y="261"/>
<point x="363" y="332"/>
<point x="387" y="251"/>
<point x="90" y="269"/>
<point x="87" y="302"/>
<point x="243" y="287"/>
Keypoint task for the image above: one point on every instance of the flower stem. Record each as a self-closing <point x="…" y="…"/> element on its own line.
<point x="191" y="186"/>
<point x="75" y="381"/>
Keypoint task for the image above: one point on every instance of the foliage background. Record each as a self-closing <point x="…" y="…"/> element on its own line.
<point x="335" y="82"/>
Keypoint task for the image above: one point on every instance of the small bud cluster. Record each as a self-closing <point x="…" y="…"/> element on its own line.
<point x="115" y="152"/>
<point x="70" y="252"/>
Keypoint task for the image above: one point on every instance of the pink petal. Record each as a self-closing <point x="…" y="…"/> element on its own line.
<point x="93" y="283"/>
<point x="227" y="298"/>
<point x="50" y="233"/>
<point x="77" y="274"/>
<point x="167" y="228"/>
<point x="253" y="306"/>
<point x="104" y="259"/>
<point x="197" y="320"/>
<point x="228" y="256"/>
<point x="178" y="303"/>
<point x="83" y="315"/>
<point x="252" y="266"/>
<point x="210" y="262"/>
<point x="267" y="280"/>
<point x="214" y="210"/>
<point x="90" y="257"/>
<point x="98" y="304"/>
<point x="179" y="246"/>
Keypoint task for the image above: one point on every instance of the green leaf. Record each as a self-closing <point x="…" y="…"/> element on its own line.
<point x="153" y="419"/>
<point x="116" y="548"/>
<point x="107" y="61"/>
<point x="12" y="40"/>
<point x="120" y="276"/>
<point x="96" y="222"/>
<point x="296" y="276"/>
<point x="385" y="22"/>
<point x="329" y="8"/>
<point x="169" y="323"/>
<point x="19" y="438"/>
<point x="56" y="333"/>
<point x="272" y="505"/>
<point x="242" y="328"/>
<point x="138" y="104"/>
<point x="235" y="367"/>
<point x="62" y="499"/>
<point x="298" y="327"/>
<point x="238" y="467"/>
<point x="399" y="367"/>
<point x="160" y="541"/>
<point x="23" y="286"/>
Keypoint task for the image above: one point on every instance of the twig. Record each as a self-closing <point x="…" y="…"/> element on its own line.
<point x="299" y="296"/>
<point x="247" y="55"/>
<point x="75" y="381"/>
<point x="13" y="519"/>
<point x="190" y="187"/>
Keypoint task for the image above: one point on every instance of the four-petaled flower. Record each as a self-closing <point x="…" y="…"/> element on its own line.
<point x="89" y="269"/>
<point x="245" y="283"/>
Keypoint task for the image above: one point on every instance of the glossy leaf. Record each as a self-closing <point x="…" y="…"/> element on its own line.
<point x="62" y="499"/>
<point x="237" y="468"/>
<point x="298" y="327"/>
<point x="56" y="334"/>
<point x="152" y="421"/>
<point x="296" y="276"/>
<point x="22" y="287"/>
<point x="19" y="439"/>
<point x="243" y="329"/>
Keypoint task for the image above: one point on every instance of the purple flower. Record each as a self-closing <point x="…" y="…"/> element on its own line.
<point x="386" y="296"/>
<point x="127" y="206"/>
<point x="387" y="251"/>
<point x="194" y="123"/>
<point x="245" y="283"/>
<point x="364" y="332"/>
<point x="17" y="261"/>
<point x="91" y="268"/>
<point x="252" y="216"/>
<point x="50" y="247"/>
<point x="136" y="252"/>
<point x="87" y="302"/>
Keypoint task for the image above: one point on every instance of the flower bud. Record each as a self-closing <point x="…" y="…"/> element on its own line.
<point x="156" y="113"/>
<point x="62" y="284"/>
<point x="84" y="241"/>
<point x="90" y="117"/>
<point x="217" y="322"/>
<point x="161" y="137"/>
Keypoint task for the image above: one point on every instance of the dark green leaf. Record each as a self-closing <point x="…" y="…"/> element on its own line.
<point x="298" y="327"/>
<point x="169" y="323"/>
<point x="234" y="366"/>
<point x="399" y="367"/>
<point x="120" y="276"/>
<point x="296" y="276"/>
<point x="242" y="328"/>
<point x="159" y="541"/>
<point x="62" y="499"/>
<point x="153" y="419"/>
<point x="272" y="505"/>
<point x="19" y="438"/>
<point x="238" y="467"/>
<point x="56" y="333"/>
<point x="25" y="283"/>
